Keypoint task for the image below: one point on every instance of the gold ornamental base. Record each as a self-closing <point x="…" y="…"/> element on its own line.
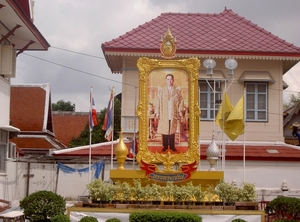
<point x="204" y="178"/>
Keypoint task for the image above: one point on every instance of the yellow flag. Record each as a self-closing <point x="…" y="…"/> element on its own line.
<point x="234" y="124"/>
<point x="227" y="107"/>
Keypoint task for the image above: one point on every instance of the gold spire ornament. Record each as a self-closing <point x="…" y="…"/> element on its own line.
<point x="168" y="45"/>
<point x="121" y="152"/>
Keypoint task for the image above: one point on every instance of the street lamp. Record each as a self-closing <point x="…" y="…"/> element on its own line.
<point x="209" y="64"/>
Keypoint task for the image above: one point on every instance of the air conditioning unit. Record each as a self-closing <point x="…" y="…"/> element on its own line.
<point x="12" y="151"/>
<point x="7" y="61"/>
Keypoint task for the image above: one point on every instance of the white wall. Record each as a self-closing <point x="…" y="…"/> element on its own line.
<point x="268" y="177"/>
<point x="4" y="101"/>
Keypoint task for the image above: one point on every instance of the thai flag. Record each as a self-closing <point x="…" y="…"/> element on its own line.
<point x="133" y="150"/>
<point x="93" y="114"/>
<point x="108" y="120"/>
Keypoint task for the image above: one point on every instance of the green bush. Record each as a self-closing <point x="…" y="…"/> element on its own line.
<point x="163" y="217"/>
<point x="238" y="220"/>
<point x="88" y="219"/>
<point x="42" y="205"/>
<point x="60" y="218"/>
<point x="284" y="208"/>
<point x="113" y="220"/>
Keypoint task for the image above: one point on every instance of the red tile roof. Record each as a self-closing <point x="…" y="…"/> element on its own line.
<point x="43" y="143"/>
<point x="199" y="33"/>
<point x="68" y="125"/>
<point x="27" y="108"/>
<point x="271" y="152"/>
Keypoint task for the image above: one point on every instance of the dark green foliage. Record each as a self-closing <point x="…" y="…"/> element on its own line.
<point x="238" y="220"/>
<point x="43" y="205"/>
<point x="98" y="133"/>
<point x="60" y="218"/>
<point x="284" y="208"/>
<point x="88" y="219"/>
<point x="61" y="105"/>
<point x="113" y="220"/>
<point x="163" y="217"/>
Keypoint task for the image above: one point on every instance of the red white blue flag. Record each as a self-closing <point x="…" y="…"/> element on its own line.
<point x="108" y="120"/>
<point x="133" y="150"/>
<point x="93" y="114"/>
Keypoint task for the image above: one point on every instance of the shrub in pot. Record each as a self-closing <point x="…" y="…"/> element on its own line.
<point x="43" y="205"/>
<point x="227" y="192"/>
<point x="113" y="220"/>
<point x="247" y="192"/>
<point x="88" y="219"/>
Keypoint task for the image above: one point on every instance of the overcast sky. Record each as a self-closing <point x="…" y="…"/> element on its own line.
<point x="75" y="29"/>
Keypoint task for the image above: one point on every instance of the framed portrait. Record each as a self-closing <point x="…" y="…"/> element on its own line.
<point x="168" y="110"/>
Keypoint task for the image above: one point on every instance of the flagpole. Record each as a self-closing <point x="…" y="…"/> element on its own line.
<point x="244" y="145"/>
<point x="90" y="157"/>
<point x="112" y="136"/>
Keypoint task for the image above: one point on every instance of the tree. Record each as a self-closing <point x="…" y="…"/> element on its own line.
<point x="61" y="105"/>
<point x="42" y="205"/>
<point x="294" y="100"/>
<point x="98" y="133"/>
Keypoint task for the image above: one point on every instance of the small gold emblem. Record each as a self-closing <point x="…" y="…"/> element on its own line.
<point x="168" y="45"/>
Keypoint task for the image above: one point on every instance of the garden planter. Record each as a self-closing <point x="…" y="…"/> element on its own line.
<point x="109" y="205"/>
<point x="156" y="202"/>
<point x="168" y="202"/>
<point x="246" y="205"/>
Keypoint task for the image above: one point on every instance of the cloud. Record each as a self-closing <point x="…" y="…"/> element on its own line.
<point x="82" y="26"/>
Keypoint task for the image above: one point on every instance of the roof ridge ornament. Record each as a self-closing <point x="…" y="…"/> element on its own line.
<point x="168" y="45"/>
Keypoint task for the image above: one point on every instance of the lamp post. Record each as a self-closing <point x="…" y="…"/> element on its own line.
<point x="209" y="64"/>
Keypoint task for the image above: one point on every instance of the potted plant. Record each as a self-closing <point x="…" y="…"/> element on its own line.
<point x="198" y="194"/>
<point x="43" y="205"/>
<point x="168" y="193"/>
<point x="247" y="197"/>
<point x="247" y="193"/>
<point x="126" y="192"/>
<point x="210" y="195"/>
<point x="147" y="192"/>
<point x="187" y="193"/>
<point x="97" y="190"/>
<point x="227" y="192"/>
<point x="137" y="190"/>
<point x="178" y="194"/>
<point x="156" y="193"/>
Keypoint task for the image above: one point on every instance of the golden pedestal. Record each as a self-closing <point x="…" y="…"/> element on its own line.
<point x="198" y="177"/>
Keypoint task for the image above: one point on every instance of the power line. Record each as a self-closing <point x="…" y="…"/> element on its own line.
<point x="80" y="53"/>
<point x="77" y="70"/>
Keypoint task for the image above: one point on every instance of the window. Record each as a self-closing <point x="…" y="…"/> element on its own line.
<point x="208" y="107"/>
<point x="3" y="149"/>
<point x="256" y="101"/>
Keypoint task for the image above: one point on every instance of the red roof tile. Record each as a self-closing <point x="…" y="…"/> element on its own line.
<point x="224" y="33"/>
<point x="42" y="143"/>
<point x="282" y="152"/>
<point x="68" y="125"/>
<point x="27" y="107"/>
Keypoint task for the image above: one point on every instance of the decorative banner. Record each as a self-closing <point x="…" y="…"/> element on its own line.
<point x="151" y="171"/>
<point x="96" y="166"/>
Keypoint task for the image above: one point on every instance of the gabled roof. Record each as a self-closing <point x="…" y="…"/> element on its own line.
<point x="30" y="107"/>
<point x="16" y="12"/>
<point x="31" y="112"/>
<point x="68" y="125"/>
<point x="234" y="151"/>
<point x="202" y="35"/>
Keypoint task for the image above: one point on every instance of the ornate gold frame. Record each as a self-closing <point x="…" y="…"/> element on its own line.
<point x="191" y="67"/>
